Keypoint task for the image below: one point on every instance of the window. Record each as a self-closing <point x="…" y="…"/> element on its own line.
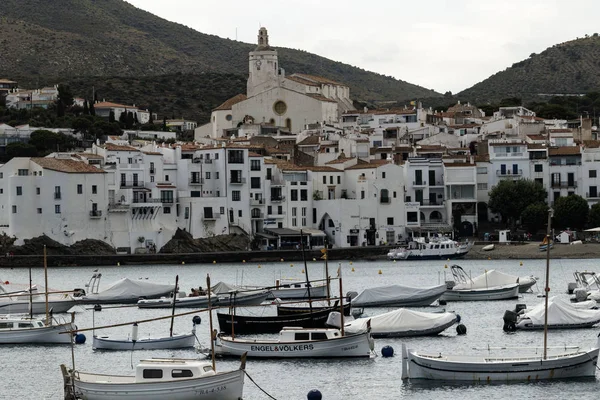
<point x="324" y="180"/>
<point x="240" y="213"/>
<point x="540" y="168"/>
<point x="79" y="189"/>
<point x="1" y="175"/>
<point x="382" y="175"/>
<point x="153" y="373"/>
<point x="235" y="157"/>
<point x="39" y="210"/>
<point x="592" y="173"/>
<point x="151" y="167"/>
<point x="207" y="174"/>
<point x="228" y="117"/>
<point x="187" y="213"/>
<point x="319" y="336"/>
<point x="216" y="156"/>
<point x="294" y="194"/>
<point x="254" y="165"/>
<point x="166" y="178"/>
<point x="130" y="160"/>
<point x="221" y="210"/>
<point x="294" y="211"/>
<point x="294" y="221"/>
<point x="152" y="178"/>
<point x="482" y="170"/>
<point x="14" y="209"/>
<point x="57" y="209"/>
<point x="279" y="210"/>
<point x="255" y="183"/>
<point x="166" y="196"/>
<point x="94" y="189"/>
<point x="304" y="211"/>
<point x="269" y="210"/>
<point x="303" y="195"/>
<point x="412" y="217"/>
<point x="23" y="172"/>
<point x="390" y="221"/>
<point x="482" y="186"/>
<point x="182" y="373"/>
<point x="280" y="107"/>
<point x="331" y="180"/>
<point x="37" y="191"/>
<point x="303" y="221"/>
<point x="19" y="190"/>
<point x="166" y="210"/>
<point x="57" y="192"/>
<point x="339" y="180"/>
<point x="216" y="174"/>
<point x="235" y="176"/>
<point x="236" y="195"/>
<point x="301" y="336"/>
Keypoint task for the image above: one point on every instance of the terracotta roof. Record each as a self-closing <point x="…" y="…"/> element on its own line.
<point x="227" y="104"/>
<point x="90" y="156"/>
<point x="66" y="165"/>
<point x="323" y="168"/>
<point x="253" y="154"/>
<point x="560" y="130"/>
<point x="482" y="158"/>
<point x="564" y="151"/>
<point x="310" y="141"/>
<point x="317" y="79"/>
<point x="117" y="147"/>
<point x="536" y="137"/>
<point x="302" y="80"/>
<point x="458" y="164"/>
<point x="189" y="147"/>
<point x="591" y="144"/>
<point x="340" y="160"/>
<point x="369" y="165"/>
<point x="536" y="146"/>
<point x="320" y="97"/>
<point x="108" y="104"/>
<point x="464" y="126"/>
<point x="435" y="148"/>
<point x="152" y="153"/>
<point x="6" y="81"/>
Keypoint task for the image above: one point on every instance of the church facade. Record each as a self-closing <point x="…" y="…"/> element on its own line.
<point x="272" y="98"/>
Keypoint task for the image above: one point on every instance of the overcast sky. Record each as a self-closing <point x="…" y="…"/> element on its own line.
<point x="437" y="44"/>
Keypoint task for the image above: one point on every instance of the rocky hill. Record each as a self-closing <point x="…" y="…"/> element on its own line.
<point x="567" y="68"/>
<point x="70" y="39"/>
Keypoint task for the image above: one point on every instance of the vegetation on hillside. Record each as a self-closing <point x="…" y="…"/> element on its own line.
<point x="114" y="38"/>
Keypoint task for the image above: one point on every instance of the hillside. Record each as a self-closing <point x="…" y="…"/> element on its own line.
<point x="70" y="39"/>
<point x="570" y="67"/>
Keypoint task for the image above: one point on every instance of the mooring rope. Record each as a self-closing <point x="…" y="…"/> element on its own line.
<point x="256" y="384"/>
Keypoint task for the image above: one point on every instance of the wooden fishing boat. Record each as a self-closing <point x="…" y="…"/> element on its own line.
<point x="303" y="308"/>
<point x="25" y="330"/>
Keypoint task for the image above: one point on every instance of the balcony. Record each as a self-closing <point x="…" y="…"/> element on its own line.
<point x="277" y="182"/>
<point x="196" y="181"/>
<point x="57" y="196"/>
<point x="432" y="203"/>
<point x="257" y="202"/>
<point x="211" y="217"/>
<point x="277" y="199"/>
<point x="95" y="214"/>
<point x="237" y="181"/>
<point x="132" y="184"/>
<point x="509" y="173"/>
<point x="563" y="185"/>
<point x="282" y="215"/>
<point x="591" y="195"/>
<point x="235" y="160"/>
<point x="419" y="183"/>
<point x="118" y="207"/>
<point x="257" y="216"/>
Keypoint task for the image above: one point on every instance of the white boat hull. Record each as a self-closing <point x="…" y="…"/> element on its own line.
<point x="175" y="342"/>
<point x="501" y="293"/>
<point x="38" y="335"/>
<point x="299" y="293"/>
<point x="183" y="302"/>
<point x="577" y="364"/>
<point x="346" y="346"/>
<point x="222" y="386"/>
<point x="39" y="307"/>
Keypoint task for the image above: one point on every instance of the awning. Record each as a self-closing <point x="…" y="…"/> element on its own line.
<point x="283" y="231"/>
<point x="312" y="232"/>
<point x="265" y="236"/>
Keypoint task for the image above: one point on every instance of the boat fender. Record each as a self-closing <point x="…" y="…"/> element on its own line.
<point x="371" y="342"/>
<point x="98" y="307"/>
<point x="387" y="351"/>
<point x="196" y="320"/>
<point x="314" y="395"/>
<point x="509" y="327"/>
<point x="134" y="332"/>
<point x="461" y="329"/>
<point x="458" y="318"/>
<point x="80" y="338"/>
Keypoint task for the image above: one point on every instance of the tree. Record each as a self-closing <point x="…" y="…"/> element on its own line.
<point x="594" y="216"/>
<point x="65" y="98"/>
<point x="20" y="150"/>
<point x="129" y="120"/>
<point x="111" y="116"/>
<point x="92" y="109"/>
<point x="46" y="141"/>
<point x="535" y="217"/>
<point x="510" y="198"/>
<point x="570" y="212"/>
<point x="86" y="108"/>
<point x="82" y="125"/>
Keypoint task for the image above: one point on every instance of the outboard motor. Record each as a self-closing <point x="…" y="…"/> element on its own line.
<point x="571" y="286"/>
<point x="510" y="321"/>
<point x="580" y="295"/>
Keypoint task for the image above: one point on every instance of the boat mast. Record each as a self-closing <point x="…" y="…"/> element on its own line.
<point x="173" y="308"/>
<point x="30" y="296"/>
<point x="213" y="335"/>
<point x="306" y="274"/>
<point x="327" y="271"/>
<point x="547" y="288"/>
<point x="46" y="283"/>
<point x="341" y="300"/>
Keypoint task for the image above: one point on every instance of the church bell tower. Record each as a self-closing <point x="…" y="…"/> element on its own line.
<point x="263" y="64"/>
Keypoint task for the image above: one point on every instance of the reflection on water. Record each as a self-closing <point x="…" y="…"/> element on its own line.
<point x="32" y="372"/>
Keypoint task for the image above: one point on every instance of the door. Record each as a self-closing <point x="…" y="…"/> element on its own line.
<point x="515" y="170"/>
<point x="431" y="178"/>
<point x="432" y="199"/>
<point x="571" y="179"/>
<point x="418" y="177"/>
<point x="419" y="196"/>
<point x="502" y="169"/>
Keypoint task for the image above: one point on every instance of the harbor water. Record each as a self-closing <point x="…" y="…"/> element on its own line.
<point x="32" y="372"/>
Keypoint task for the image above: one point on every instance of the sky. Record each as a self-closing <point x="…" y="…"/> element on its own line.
<point x="438" y="44"/>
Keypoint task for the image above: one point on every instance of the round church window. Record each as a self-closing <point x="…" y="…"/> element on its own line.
<point x="280" y="107"/>
<point x="228" y="117"/>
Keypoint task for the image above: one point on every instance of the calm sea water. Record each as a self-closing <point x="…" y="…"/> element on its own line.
<point x="32" y="372"/>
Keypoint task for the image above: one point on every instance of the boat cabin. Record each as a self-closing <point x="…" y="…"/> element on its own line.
<point x="8" y="322"/>
<point x="296" y="334"/>
<point x="167" y="370"/>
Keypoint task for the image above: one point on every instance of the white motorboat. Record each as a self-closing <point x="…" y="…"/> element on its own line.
<point x="158" y="379"/>
<point x="123" y="291"/>
<point x="403" y="323"/>
<point x="437" y="248"/>
<point x="397" y="296"/>
<point x="488" y="247"/>
<point x="299" y="343"/>
<point x="488" y="286"/>
<point x="562" y="314"/>
<point x="586" y="286"/>
<point x="31" y="301"/>
<point x="287" y="290"/>
<point x="19" y="329"/>
<point x="559" y="363"/>
<point x="233" y="295"/>
<point x="180" y="302"/>
<point x="134" y="342"/>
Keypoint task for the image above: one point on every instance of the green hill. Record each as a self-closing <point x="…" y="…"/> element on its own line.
<point x="568" y="68"/>
<point x="45" y="40"/>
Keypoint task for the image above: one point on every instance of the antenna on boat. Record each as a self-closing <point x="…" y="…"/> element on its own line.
<point x="210" y="319"/>
<point x="547" y="288"/>
<point x="173" y="308"/>
<point x="306" y="275"/>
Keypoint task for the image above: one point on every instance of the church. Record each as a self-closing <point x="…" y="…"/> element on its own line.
<point x="273" y="99"/>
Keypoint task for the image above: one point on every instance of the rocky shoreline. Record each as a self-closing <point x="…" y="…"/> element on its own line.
<point x="531" y="251"/>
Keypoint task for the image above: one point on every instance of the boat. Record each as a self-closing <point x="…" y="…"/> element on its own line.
<point x="299" y="308"/>
<point x="19" y="302"/>
<point x="404" y="323"/>
<point x="397" y="296"/>
<point x="516" y="365"/>
<point x="21" y="329"/>
<point x="544" y="245"/>
<point x="158" y="379"/>
<point x="488" y="247"/>
<point x="123" y="291"/>
<point x="291" y="290"/>
<point x="586" y="286"/>
<point x="483" y="287"/>
<point x="180" y="302"/>
<point x="252" y="324"/>
<point x="294" y="342"/>
<point x="437" y="248"/>
<point x="562" y="314"/>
